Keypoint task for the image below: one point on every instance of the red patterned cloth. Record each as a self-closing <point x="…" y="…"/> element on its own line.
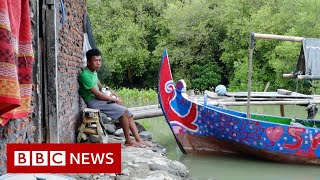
<point x="16" y="57"/>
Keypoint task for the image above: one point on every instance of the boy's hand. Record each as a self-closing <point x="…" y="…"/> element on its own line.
<point x="119" y="101"/>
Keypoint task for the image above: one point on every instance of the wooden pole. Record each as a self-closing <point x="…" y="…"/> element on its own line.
<point x="51" y="90"/>
<point x="251" y="47"/>
<point x="282" y="110"/>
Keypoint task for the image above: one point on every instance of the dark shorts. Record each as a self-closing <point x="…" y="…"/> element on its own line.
<point x="111" y="109"/>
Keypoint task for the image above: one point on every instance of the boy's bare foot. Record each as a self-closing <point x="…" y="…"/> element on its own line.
<point x="131" y="143"/>
<point x="141" y="142"/>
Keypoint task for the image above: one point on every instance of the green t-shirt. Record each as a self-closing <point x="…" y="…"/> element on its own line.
<point x="87" y="80"/>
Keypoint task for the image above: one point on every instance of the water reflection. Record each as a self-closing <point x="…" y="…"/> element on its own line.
<point x="229" y="167"/>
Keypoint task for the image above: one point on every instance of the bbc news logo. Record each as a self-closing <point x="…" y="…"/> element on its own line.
<point x="40" y="158"/>
<point x="64" y="158"/>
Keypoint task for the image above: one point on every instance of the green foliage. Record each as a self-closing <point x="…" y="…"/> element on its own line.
<point x="146" y="125"/>
<point x="192" y="38"/>
<point x="272" y="58"/>
<point x="134" y="97"/>
<point x="207" y="41"/>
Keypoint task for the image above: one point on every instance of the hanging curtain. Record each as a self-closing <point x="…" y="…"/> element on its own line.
<point x="309" y="59"/>
<point x="16" y="57"/>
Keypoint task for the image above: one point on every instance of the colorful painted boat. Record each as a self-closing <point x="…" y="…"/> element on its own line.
<point x="204" y="129"/>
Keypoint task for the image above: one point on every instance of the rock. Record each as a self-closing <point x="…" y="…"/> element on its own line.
<point x="140" y="127"/>
<point x="118" y="138"/>
<point x="173" y="167"/>
<point x="119" y="133"/>
<point x="145" y="163"/>
<point x="106" y="177"/>
<point x="96" y="176"/>
<point x="180" y="168"/>
<point x="123" y="178"/>
<point x="105" y="119"/>
<point x="84" y="176"/>
<point x="110" y="128"/>
<point x="149" y="163"/>
<point x="155" y="166"/>
<point x="105" y="139"/>
<point x="145" y="135"/>
<point x="162" y="175"/>
<point x="126" y="171"/>
<point x="95" y="138"/>
<point x="159" y="148"/>
<point x="112" y="175"/>
<point x="140" y="170"/>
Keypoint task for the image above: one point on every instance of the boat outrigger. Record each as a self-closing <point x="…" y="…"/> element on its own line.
<point x="200" y="128"/>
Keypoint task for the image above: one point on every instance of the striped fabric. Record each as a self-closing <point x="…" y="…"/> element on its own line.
<point x="16" y="57"/>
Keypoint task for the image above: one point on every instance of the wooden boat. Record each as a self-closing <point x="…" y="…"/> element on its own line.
<point x="204" y="129"/>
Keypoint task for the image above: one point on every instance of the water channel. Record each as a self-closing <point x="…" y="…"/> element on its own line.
<point x="235" y="168"/>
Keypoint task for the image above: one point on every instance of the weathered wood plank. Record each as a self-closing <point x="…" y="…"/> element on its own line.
<point x="37" y="71"/>
<point x="51" y="101"/>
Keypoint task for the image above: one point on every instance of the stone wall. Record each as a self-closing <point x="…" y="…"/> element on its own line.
<point x="69" y="65"/>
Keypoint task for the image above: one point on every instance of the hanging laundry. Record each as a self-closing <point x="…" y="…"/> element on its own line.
<point x="16" y="57"/>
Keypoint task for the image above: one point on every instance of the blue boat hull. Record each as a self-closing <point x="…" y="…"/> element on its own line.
<point x="202" y="129"/>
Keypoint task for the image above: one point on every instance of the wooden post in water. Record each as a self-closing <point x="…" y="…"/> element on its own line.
<point x="282" y="110"/>
<point x="251" y="47"/>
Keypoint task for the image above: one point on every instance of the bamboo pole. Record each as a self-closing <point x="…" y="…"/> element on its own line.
<point x="147" y="114"/>
<point x="278" y="37"/>
<point x="298" y="102"/>
<point x="309" y="77"/>
<point x="157" y="106"/>
<point x="289" y="75"/>
<point x="268" y="99"/>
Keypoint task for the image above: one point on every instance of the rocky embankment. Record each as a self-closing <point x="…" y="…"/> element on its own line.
<point x="139" y="162"/>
